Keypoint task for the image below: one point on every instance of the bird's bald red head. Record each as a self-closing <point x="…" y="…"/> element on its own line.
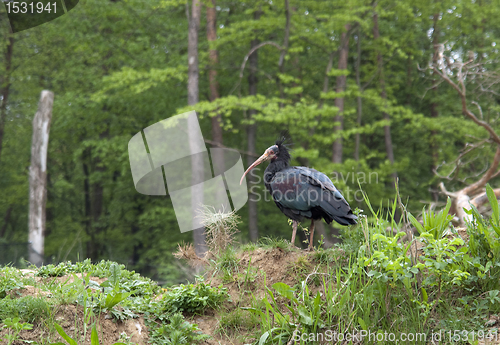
<point x="270" y="154"/>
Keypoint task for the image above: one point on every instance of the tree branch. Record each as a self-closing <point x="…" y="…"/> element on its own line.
<point x="245" y="59"/>
<point x="486" y="177"/>
<point x="465" y="110"/>
<point x="215" y="143"/>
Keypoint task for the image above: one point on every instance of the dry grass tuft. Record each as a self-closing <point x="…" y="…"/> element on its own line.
<point x="220" y="228"/>
<point x="187" y="252"/>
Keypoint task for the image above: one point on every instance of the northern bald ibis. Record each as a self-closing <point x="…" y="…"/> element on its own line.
<point x="302" y="192"/>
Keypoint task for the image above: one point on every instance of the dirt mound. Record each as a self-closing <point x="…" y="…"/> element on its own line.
<point x="247" y="275"/>
<point x="73" y="319"/>
<point x="256" y="271"/>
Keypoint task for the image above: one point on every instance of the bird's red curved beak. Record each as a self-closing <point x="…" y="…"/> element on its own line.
<point x="263" y="158"/>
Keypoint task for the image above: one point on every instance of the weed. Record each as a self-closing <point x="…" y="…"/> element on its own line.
<point x="26" y="308"/>
<point x="15" y="327"/>
<point x="304" y="315"/>
<point x="193" y="298"/>
<point x="434" y="223"/>
<point x="226" y="263"/>
<point x="300" y="267"/>
<point x="278" y="243"/>
<point x="94" y="338"/>
<point x="9" y="280"/>
<point x="236" y="321"/>
<point x="220" y="228"/>
<point x="178" y="332"/>
<point x="249" y="247"/>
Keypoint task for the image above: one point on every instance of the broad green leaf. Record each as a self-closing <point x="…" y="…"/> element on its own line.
<point x="63" y="334"/>
<point x="94" y="338"/>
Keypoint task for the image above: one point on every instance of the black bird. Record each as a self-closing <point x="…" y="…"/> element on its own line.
<point x="302" y="192"/>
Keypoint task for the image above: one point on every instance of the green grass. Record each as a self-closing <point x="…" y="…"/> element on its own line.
<point x="235" y="323"/>
<point x="278" y="243"/>
<point x="378" y="286"/>
<point x="370" y="283"/>
<point x="124" y="294"/>
<point x="27" y="308"/>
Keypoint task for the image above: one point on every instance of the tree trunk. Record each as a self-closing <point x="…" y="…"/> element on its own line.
<point x="360" y="103"/>
<point x="98" y="245"/>
<point x="383" y="95"/>
<point x="193" y="97"/>
<point x="286" y="40"/>
<point x="339" y="101"/>
<point x="38" y="177"/>
<point x="5" y="85"/>
<point x="253" y="229"/>
<point x="86" y="200"/>
<point x="434" y="105"/>
<point x="6" y="220"/>
<point x="461" y="200"/>
<point x="217" y="155"/>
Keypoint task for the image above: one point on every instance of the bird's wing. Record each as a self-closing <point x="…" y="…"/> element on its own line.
<point x="288" y="192"/>
<point x="319" y="179"/>
<point x="331" y="200"/>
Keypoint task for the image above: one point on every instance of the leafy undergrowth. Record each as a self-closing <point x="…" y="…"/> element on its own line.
<point x="441" y="286"/>
<point x="380" y="286"/>
<point x="83" y="303"/>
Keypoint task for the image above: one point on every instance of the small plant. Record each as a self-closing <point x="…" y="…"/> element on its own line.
<point x="9" y="280"/>
<point x="301" y="266"/>
<point x="94" y="338"/>
<point x="193" y="298"/>
<point x="278" y="243"/>
<point x="15" y="327"/>
<point x="27" y="308"/>
<point x="112" y="294"/>
<point x="53" y="271"/>
<point x="226" y="263"/>
<point x="236" y="321"/>
<point x="433" y="223"/>
<point x="178" y="332"/>
<point x="220" y="228"/>
<point x="305" y="314"/>
<point x="484" y="244"/>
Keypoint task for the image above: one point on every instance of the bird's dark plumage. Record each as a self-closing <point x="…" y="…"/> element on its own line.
<point x="302" y="192"/>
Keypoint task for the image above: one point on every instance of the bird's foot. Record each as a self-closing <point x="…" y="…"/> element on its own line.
<point x="310" y="249"/>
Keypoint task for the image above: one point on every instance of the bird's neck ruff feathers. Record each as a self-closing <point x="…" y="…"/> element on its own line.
<point x="284" y="154"/>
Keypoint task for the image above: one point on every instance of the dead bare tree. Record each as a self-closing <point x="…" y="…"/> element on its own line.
<point x="455" y="73"/>
<point x="38" y="177"/>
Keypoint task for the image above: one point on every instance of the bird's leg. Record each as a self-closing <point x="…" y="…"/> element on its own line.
<point x="294" y="225"/>
<point x="311" y="230"/>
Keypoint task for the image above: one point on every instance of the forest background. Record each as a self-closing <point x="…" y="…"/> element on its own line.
<point x="360" y="86"/>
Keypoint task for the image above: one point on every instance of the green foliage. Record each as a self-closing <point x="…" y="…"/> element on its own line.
<point x="15" y="327"/>
<point x="443" y="284"/>
<point x="9" y="280"/>
<point x="305" y="314"/>
<point x="434" y="223"/>
<point x="237" y="320"/>
<point x="278" y="243"/>
<point x="484" y="245"/>
<point x="193" y="298"/>
<point x="178" y="332"/>
<point x="94" y="338"/>
<point x="121" y="61"/>
<point x="27" y="308"/>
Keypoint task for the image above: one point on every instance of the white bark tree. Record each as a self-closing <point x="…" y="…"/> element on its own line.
<point x="38" y="177"/>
